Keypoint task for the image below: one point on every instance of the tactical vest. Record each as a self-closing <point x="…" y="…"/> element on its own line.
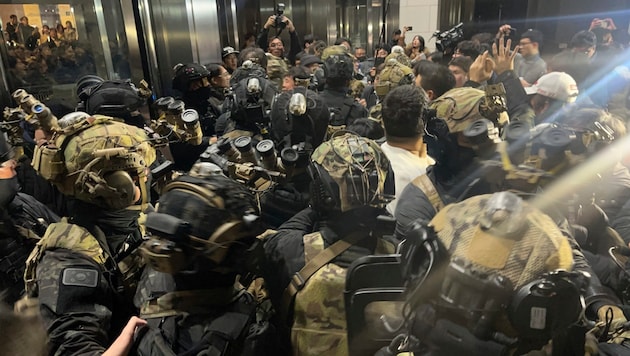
<point x="64" y="235"/>
<point x="319" y="317"/>
<point x="230" y="313"/>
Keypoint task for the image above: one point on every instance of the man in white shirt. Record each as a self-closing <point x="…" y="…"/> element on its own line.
<point x="403" y="117"/>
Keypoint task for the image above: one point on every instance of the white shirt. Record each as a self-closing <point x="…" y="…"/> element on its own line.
<point x="407" y="166"/>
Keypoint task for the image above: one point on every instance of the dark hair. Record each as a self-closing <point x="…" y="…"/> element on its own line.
<point x="384" y="46"/>
<point x="462" y="62"/>
<point x="534" y="36"/>
<point x="214" y="69"/>
<point x="397" y="32"/>
<point x="402" y="112"/>
<point x="469" y="49"/>
<point x="341" y="40"/>
<point x="309" y="38"/>
<point x="436" y="77"/>
<point x="421" y="39"/>
<point x="483" y="38"/>
<point x="367" y="127"/>
<point x="583" y="39"/>
<point x="299" y="72"/>
<point x="13" y="16"/>
<point x="435" y="57"/>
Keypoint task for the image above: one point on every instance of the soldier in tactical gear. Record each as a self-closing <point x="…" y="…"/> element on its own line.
<point x="23" y="220"/>
<point x="82" y="274"/>
<point x="201" y="237"/>
<point x="339" y="70"/>
<point x="299" y="119"/>
<point x="475" y="274"/>
<point x="349" y="190"/>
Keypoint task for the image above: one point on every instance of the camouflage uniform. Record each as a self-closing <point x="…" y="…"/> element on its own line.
<point x="84" y="270"/>
<point x="317" y="316"/>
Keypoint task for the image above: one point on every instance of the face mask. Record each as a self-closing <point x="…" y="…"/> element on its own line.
<point x="199" y="95"/>
<point x="378" y="61"/>
<point x="362" y="58"/>
<point x="8" y="190"/>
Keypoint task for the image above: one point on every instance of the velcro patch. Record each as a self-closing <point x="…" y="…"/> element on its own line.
<point x="80" y="277"/>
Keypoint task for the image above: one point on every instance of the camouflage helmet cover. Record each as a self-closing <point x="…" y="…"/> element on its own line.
<point x="460" y="107"/>
<point x="501" y="233"/>
<point x="358" y="168"/>
<point x="90" y="157"/>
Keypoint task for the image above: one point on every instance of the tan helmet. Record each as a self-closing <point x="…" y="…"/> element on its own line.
<point x="98" y="160"/>
<point x="460" y="107"/>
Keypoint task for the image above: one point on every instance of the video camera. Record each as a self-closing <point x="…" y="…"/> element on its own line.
<point x="279" y="24"/>
<point x="449" y="38"/>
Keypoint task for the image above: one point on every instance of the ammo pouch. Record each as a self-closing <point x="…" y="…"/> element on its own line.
<point x="49" y="162"/>
<point x="225" y="335"/>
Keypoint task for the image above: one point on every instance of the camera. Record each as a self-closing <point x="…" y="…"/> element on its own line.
<point x="409" y="28"/>
<point x="449" y="38"/>
<point x="279" y="12"/>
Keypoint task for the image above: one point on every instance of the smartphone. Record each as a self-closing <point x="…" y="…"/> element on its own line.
<point x="409" y="28"/>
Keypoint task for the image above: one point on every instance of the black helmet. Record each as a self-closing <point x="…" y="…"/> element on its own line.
<point x="116" y="98"/>
<point x="185" y="73"/>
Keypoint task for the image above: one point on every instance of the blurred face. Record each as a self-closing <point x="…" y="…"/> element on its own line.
<point x="359" y="53"/>
<point x="230" y="61"/>
<point x="460" y="76"/>
<point x="7" y="169"/>
<point x="14" y="20"/>
<point x="222" y="80"/>
<point x="288" y="83"/>
<point x="416" y="42"/>
<point x="276" y="47"/>
<point x="527" y="47"/>
<point x="381" y="53"/>
<point x="24" y="21"/>
<point x="588" y="51"/>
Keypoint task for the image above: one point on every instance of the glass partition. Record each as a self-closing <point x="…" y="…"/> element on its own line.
<point x="49" y="46"/>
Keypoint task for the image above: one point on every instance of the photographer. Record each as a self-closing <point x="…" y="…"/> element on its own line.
<point x="274" y="45"/>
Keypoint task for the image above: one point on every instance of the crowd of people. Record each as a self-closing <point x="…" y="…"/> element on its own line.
<point x="319" y="201"/>
<point x="40" y="58"/>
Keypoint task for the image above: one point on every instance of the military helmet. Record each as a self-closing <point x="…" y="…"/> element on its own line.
<point x="117" y="98"/>
<point x="186" y="73"/>
<point x="97" y="160"/>
<point x="394" y="74"/>
<point x="460" y="107"/>
<point x="204" y="214"/>
<point x="250" y="103"/>
<point x="348" y="172"/>
<point x="401" y="57"/>
<point x="338" y="64"/>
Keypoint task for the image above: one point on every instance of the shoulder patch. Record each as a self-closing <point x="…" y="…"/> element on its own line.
<point x="80" y="277"/>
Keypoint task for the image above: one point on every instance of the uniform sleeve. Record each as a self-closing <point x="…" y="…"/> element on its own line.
<point x="284" y="255"/>
<point x="75" y="303"/>
<point x="412" y="204"/>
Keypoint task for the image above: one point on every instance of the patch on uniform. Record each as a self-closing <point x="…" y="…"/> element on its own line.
<point x="80" y="277"/>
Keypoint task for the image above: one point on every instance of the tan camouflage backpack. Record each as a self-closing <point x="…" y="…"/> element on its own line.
<point x="319" y="314"/>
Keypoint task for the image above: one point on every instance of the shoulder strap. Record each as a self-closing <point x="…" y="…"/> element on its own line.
<point x="426" y="185"/>
<point x="300" y="278"/>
